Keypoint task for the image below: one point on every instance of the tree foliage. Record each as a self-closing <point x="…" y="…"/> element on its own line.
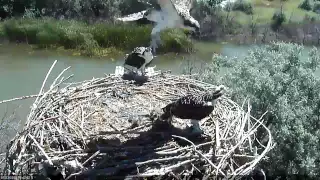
<point x="279" y="79"/>
<point x="76" y="9"/>
<point x="306" y="5"/>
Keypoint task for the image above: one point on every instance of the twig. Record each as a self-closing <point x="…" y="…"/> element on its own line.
<point x="45" y="80"/>
<point x="198" y="152"/>
<point x="20" y="98"/>
<point x="91" y="157"/>
<point x="40" y="148"/>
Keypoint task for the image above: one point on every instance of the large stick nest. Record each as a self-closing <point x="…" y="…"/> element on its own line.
<point x="108" y="127"/>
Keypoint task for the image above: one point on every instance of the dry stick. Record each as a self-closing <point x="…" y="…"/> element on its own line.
<point x="238" y="144"/>
<point x="41" y="137"/>
<point x="265" y="151"/>
<point x="40" y="92"/>
<point x="164" y="152"/>
<point x="54" y="82"/>
<point x="74" y="174"/>
<point x="82" y="117"/>
<point x="65" y="157"/>
<point x="41" y="149"/>
<point x="217" y="133"/>
<point x="45" y="79"/>
<point x="20" y="98"/>
<point x="163" y="171"/>
<point x="37" y="123"/>
<point x="248" y="121"/>
<point x="164" y="159"/>
<point x="198" y="152"/>
<point x="56" y="85"/>
<point x="91" y="157"/>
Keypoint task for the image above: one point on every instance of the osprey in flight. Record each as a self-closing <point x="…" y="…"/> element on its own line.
<point x="171" y="14"/>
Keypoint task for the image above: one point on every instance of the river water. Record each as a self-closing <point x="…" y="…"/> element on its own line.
<point x="22" y="69"/>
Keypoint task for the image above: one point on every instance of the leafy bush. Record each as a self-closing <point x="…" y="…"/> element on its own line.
<point x="73" y="34"/>
<point x="79" y="9"/>
<point x="306" y="5"/>
<point x="2" y="32"/>
<point x="241" y="5"/>
<point x="279" y="79"/>
<point x="316" y="7"/>
<point x="121" y="35"/>
<point x="278" y="19"/>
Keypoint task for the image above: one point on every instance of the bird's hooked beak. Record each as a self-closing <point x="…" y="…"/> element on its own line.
<point x="219" y="91"/>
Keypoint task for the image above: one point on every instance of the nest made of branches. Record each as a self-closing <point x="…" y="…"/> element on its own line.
<point x="108" y="127"/>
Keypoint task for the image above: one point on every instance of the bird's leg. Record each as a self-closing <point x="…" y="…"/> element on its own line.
<point x="143" y="70"/>
<point x="153" y="43"/>
<point x="159" y="41"/>
<point x="155" y="39"/>
<point x="196" y="127"/>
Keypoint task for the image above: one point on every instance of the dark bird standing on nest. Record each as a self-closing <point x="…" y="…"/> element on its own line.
<point x="139" y="58"/>
<point x="193" y="107"/>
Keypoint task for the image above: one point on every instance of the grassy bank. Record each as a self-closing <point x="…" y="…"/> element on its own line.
<point x="98" y="39"/>
<point x="263" y="11"/>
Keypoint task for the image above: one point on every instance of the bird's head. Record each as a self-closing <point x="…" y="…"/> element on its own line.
<point x="217" y="93"/>
<point x="148" y="53"/>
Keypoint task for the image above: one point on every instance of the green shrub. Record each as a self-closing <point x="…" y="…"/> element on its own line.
<point x="306" y="5"/>
<point x="316" y="7"/>
<point x="73" y="34"/>
<point x="49" y="35"/>
<point x="176" y="40"/>
<point x="121" y="35"/>
<point x="278" y="19"/>
<point x="2" y="31"/>
<point x="24" y="30"/>
<point x="240" y="5"/>
<point x="279" y="79"/>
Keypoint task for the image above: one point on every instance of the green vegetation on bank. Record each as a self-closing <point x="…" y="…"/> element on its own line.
<point x="263" y="11"/>
<point x="2" y="33"/>
<point x="241" y="17"/>
<point x="97" y="39"/>
<point x="280" y="79"/>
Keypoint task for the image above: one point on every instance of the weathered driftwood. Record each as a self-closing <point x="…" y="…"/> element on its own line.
<point x="108" y="126"/>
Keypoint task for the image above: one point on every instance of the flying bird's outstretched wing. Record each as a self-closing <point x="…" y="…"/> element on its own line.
<point x="184" y="4"/>
<point x="133" y="17"/>
<point x="150" y="14"/>
<point x="169" y="8"/>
